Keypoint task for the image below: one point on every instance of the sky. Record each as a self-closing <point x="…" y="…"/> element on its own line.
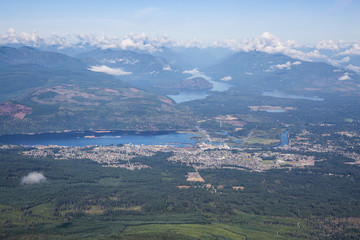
<point x="305" y="21"/>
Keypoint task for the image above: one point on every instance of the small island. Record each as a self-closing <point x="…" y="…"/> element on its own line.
<point x="192" y="84"/>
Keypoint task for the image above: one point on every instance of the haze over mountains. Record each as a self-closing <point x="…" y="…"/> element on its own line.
<point x="48" y="81"/>
<point x="146" y="61"/>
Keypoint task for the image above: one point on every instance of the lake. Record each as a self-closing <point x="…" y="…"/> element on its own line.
<point x="284" y="139"/>
<point x="289" y="96"/>
<point x="88" y="138"/>
<point x="93" y="138"/>
<point x="185" y="96"/>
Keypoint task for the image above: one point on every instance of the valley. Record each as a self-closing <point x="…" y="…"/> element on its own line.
<point x="132" y="144"/>
<point x="180" y="120"/>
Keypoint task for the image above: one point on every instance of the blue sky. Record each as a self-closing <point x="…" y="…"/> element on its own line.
<point x="305" y="21"/>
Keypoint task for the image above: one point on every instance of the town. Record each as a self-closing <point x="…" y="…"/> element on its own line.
<point x="199" y="156"/>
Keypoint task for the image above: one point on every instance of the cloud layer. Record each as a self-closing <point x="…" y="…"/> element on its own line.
<point x="267" y="42"/>
<point x="33" y="178"/>
<point x="337" y="53"/>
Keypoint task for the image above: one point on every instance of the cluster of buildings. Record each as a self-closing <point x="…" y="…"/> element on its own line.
<point x="341" y="147"/>
<point x="201" y="156"/>
<point x="239" y="159"/>
<point x="108" y="156"/>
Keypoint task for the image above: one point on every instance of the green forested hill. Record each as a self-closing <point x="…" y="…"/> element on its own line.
<point x="62" y="100"/>
<point x="63" y="95"/>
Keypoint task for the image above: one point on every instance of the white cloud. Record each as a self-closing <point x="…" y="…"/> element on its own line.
<point x="226" y="78"/>
<point x="33" y="178"/>
<point x="130" y="61"/>
<point x="271" y="44"/>
<point x="12" y="37"/>
<point x="327" y="44"/>
<point x="286" y="65"/>
<point x="193" y="71"/>
<point x="338" y="62"/>
<point x="353" y="68"/>
<point x="353" y="50"/>
<point x="307" y="56"/>
<point x="139" y="41"/>
<point x="167" y="68"/>
<point x="108" y="70"/>
<point x="127" y="43"/>
<point x="345" y="77"/>
<point x="267" y="43"/>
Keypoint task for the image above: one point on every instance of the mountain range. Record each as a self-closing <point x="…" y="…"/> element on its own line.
<point x="265" y="71"/>
<point x="53" y="92"/>
<point x="46" y="91"/>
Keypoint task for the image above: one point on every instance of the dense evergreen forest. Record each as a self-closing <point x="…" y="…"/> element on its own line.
<point x="80" y="199"/>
